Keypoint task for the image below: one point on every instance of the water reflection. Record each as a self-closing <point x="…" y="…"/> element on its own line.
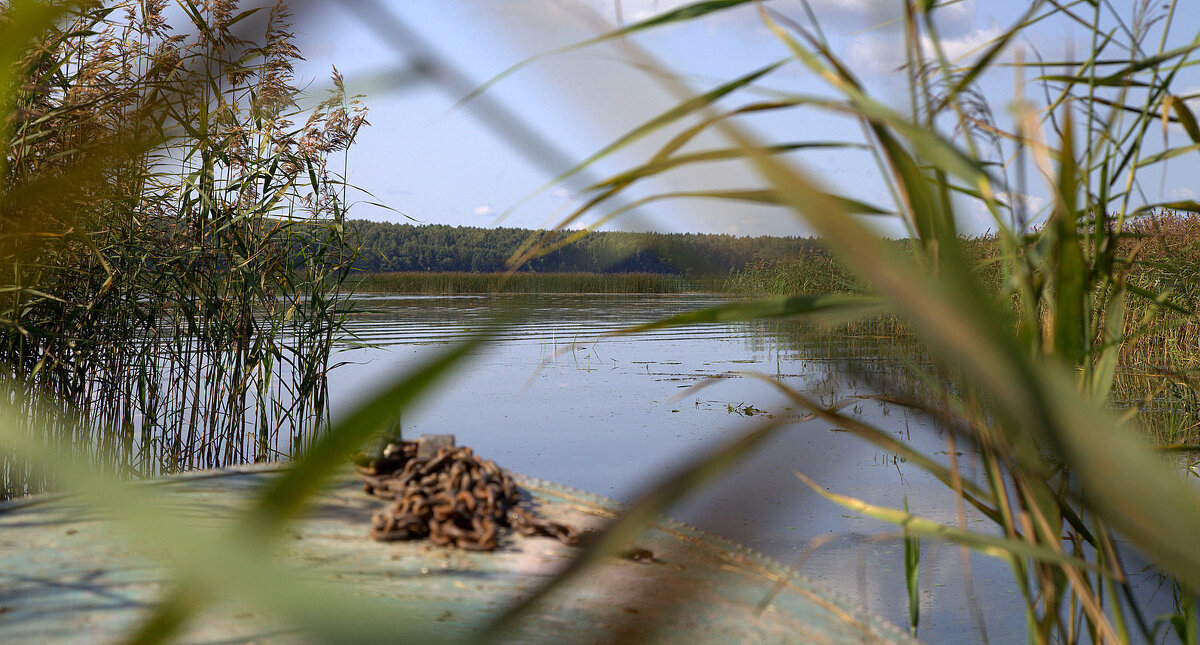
<point x="557" y="399"/>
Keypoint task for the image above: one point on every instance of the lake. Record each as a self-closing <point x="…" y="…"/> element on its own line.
<point x="556" y="398"/>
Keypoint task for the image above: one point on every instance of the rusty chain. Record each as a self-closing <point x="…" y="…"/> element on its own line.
<point x="453" y="498"/>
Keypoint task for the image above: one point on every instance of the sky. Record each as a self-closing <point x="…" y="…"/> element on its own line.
<point x="493" y="161"/>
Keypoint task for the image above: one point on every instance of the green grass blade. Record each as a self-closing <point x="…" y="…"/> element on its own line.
<point x="1120" y="78"/>
<point x="1069" y="270"/>
<point x="913" y="187"/>
<point x="912" y="570"/>
<point x="1164" y="155"/>
<point x="285" y="496"/>
<point x="985" y="61"/>
<point x="1186" y="206"/>
<point x="852" y="206"/>
<point x="658" y="166"/>
<point x="964" y="327"/>
<point x="1114" y="81"/>
<point x="990" y="545"/>
<point x="1133" y="488"/>
<point x="976" y="496"/>
<point x="757" y="196"/>
<point x="680" y="14"/>
<point x="1159" y="299"/>
<point x="679" y="111"/>
<point x="668" y="117"/>
<point x="780" y="307"/>
<point x="1184" y="114"/>
<point x="929" y="144"/>
<point x="1104" y="369"/>
<point x="211" y="562"/>
<point x="534" y="247"/>
<point x="685" y="13"/>
<point x="620" y="534"/>
<point x="168" y="619"/>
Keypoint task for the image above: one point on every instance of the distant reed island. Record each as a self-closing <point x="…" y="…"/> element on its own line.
<point x="442" y="259"/>
<point x="464" y="282"/>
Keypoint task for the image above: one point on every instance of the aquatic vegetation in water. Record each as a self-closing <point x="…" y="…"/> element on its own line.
<point x="744" y="409"/>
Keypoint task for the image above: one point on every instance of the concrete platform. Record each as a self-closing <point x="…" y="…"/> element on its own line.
<point x="66" y="578"/>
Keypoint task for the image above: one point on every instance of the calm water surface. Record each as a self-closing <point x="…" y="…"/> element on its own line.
<point x="555" y="399"/>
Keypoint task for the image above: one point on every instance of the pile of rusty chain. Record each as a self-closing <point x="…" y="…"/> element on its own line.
<point x="452" y="498"/>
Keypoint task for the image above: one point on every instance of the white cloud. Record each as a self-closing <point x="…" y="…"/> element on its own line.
<point x="884" y="52"/>
<point x="856" y="14"/>
<point x="1183" y="194"/>
<point x="631" y="10"/>
<point x="974" y="218"/>
<point x="634" y="10"/>
<point x="560" y="193"/>
<point x="953" y="19"/>
<point x="1033" y="204"/>
<point x="825" y="9"/>
<point x="483" y="210"/>
<point x="875" y="53"/>
<point x="962" y="47"/>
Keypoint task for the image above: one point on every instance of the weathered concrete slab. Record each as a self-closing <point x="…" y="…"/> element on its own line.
<point x="65" y="578"/>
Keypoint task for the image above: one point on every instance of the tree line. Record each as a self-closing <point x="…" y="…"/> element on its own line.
<point x="386" y="246"/>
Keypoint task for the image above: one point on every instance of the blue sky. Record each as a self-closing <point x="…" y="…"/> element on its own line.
<point x="444" y="166"/>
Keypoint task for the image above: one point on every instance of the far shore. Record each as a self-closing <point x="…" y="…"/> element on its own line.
<point x="462" y="282"/>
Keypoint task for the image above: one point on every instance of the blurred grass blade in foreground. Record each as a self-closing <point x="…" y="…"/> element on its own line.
<point x="237" y="560"/>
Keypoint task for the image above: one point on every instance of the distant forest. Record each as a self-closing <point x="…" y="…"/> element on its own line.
<point x="405" y="247"/>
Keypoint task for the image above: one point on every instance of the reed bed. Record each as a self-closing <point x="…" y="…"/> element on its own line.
<point x="1160" y="352"/>
<point x="175" y="306"/>
<point x="813" y="273"/>
<point x="465" y="283"/>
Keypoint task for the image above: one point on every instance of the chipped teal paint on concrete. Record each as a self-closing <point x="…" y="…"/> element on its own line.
<point x="65" y="579"/>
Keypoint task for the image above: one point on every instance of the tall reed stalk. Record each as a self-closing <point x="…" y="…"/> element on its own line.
<point x="181" y="298"/>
